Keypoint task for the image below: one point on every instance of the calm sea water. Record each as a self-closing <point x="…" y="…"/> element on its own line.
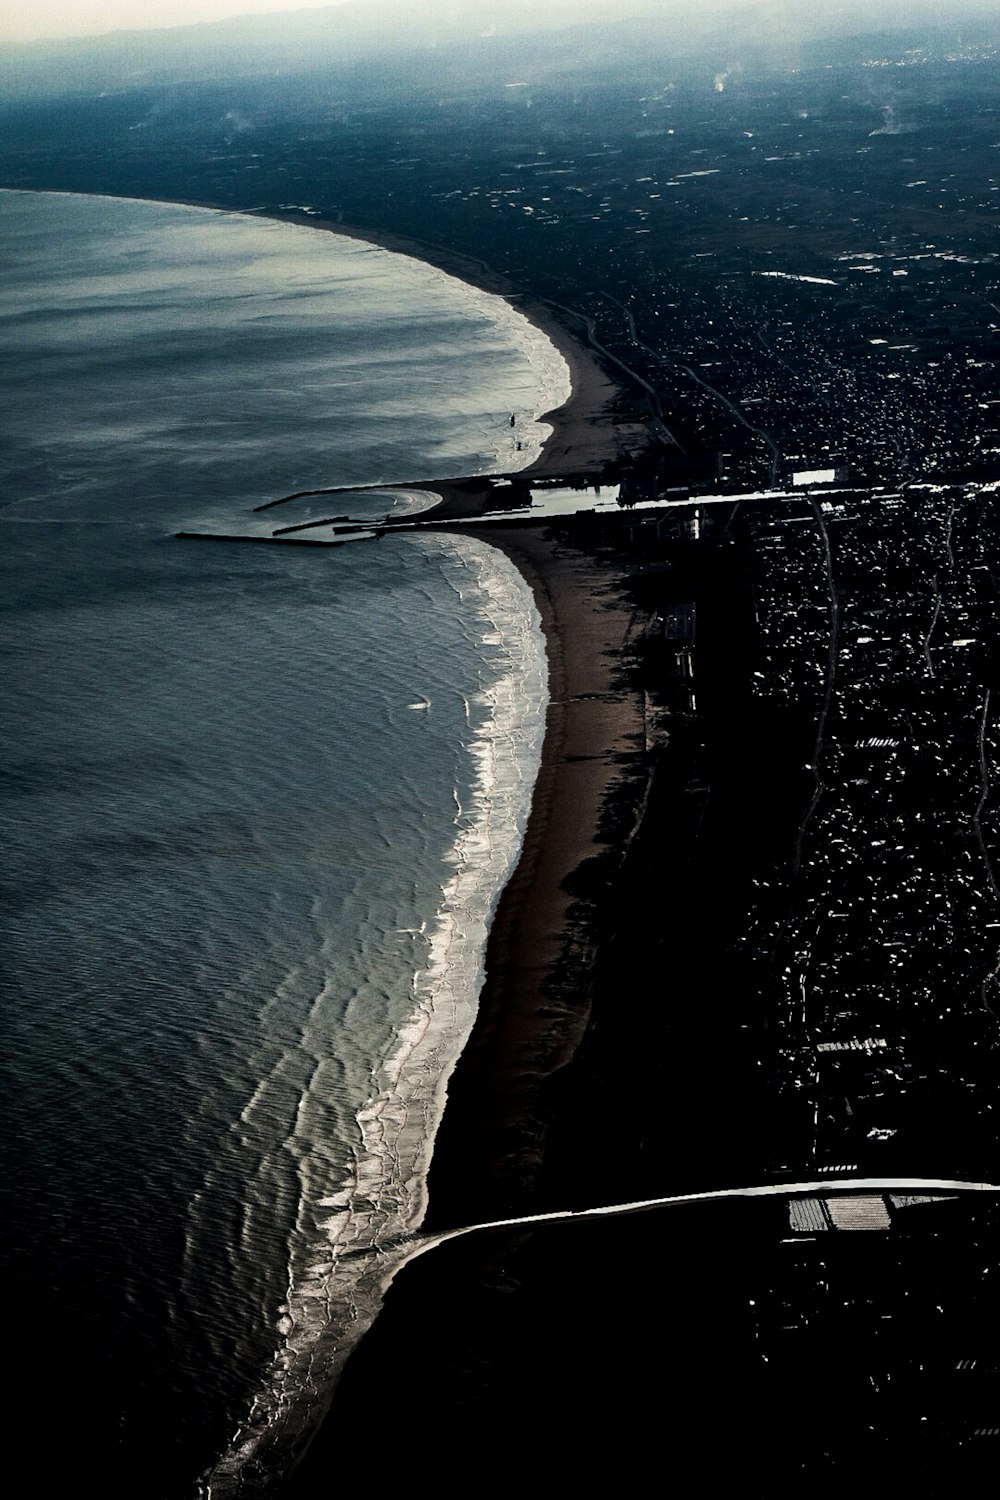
<point x="257" y="806"/>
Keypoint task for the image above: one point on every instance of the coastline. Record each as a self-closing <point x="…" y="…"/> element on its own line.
<point x="535" y="1000"/>
<point x="489" y="1151"/>
<point x="582" y="434"/>
<point x="489" y="1155"/>
<point x="534" y="1005"/>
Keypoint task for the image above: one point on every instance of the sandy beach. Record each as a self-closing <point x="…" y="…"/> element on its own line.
<point x="490" y="1153"/>
<point x="534" y="1349"/>
<point x="584" y="1083"/>
<point x="535" y="1001"/>
<point x="541" y="952"/>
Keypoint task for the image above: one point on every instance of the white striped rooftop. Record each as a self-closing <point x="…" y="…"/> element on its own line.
<point x="807" y="1216"/>
<point x="862" y="1211"/>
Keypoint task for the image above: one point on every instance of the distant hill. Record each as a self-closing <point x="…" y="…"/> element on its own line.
<point x="482" y="34"/>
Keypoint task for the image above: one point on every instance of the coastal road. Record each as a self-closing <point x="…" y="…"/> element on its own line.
<point x="821" y="1187"/>
<point x="656" y="405"/>
<point x="740" y="416"/>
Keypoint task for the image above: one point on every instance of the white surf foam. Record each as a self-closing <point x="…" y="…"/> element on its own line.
<point x="343" y="1263"/>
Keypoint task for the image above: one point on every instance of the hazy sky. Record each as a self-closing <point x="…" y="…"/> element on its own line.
<point x="28" y="20"/>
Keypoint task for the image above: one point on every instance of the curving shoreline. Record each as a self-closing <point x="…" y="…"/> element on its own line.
<point x="489" y="1153"/>
<point x="533" y="1007"/>
<point x="583" y="433"/>
<point x="535" y="1000"/>
<point x="566" y="801"/>
<point x="534" y="1004"/>
<point x="335" y="1295"/>
<point x="489" y="1150"/>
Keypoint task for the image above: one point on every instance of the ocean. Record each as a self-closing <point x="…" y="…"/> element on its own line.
<point x="258" y="805"/>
